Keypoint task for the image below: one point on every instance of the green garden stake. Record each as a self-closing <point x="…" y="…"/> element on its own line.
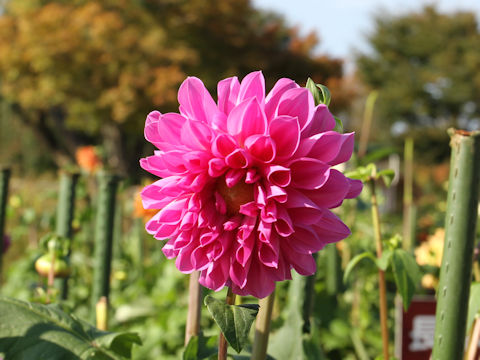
<point x="65" y="211"/>
<point x="4" y="180"/>
<point x="460" y="222"/>
<point x="333" y="277"/>
<point x="103" y="238"/>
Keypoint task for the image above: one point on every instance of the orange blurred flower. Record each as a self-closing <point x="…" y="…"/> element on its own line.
<point x="138" y="210"/>
<point x="87" y="158"/>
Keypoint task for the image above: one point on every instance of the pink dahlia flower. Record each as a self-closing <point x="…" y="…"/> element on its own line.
<point x="246" y="182"/>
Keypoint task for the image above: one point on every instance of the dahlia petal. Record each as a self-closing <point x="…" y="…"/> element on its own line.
<point x="276" y="193"/>
<point x="271" y="101"/>
<point x="238" y="159"/>
<point x="173" y="212"/>
<point x="246" y="119"/>
<point x="264" y="231"/>
<point x="322" y="121"/>
<point x="304" y="264"/>
<point x="345" y="151"/>
<point x="305" y="241"/>
<point x="354" y="189"/>
<point x="283" y="223"/>
<point x="253" y="85"/>
<point x="252" y="176"/>
<point x="184" y="260"/>
<point x="227" y="91"/>
<point x="332" y="192"/>
<point x="302" y="209"/>
<point x="155" y="165"/>
<point x="279" y="127"/>
<point x="309" y="173"/>
<point x="195" y="101"/>
<point x="196" y="160"/>
<point x="261" y="147"/>
<point x="330" y="228"/>
<point x="165" y="231"/>
<point x="168" y="250"/>
<point x="216" y="275"/>
<point x="220" y="203"/>
<point x="163" y="131"/>
<point x="297" y="103"/>
<point x="249" y="209"/>
<point x="232" y="223"/>
<point x="223" y="145"/>
<point x="269" y="212"/>
<point x="173" y="161"/>
<point x="199" y="258"/>
<point x="196" y="135"/>
<point x="259" y="282"/>
<point x="244" y="251"/>
<point x="268" y="252"/>
<point x="259" y="195"/>
<point x="216" y="167"/>
<point x="233" y="176"/>
<point x="238" y="273"/>
<point x="188" y="221"/>
<point x="331" y="147"/>
<point x="278" y="175"/>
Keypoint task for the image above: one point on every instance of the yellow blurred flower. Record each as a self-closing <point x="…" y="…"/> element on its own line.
<point x="430" y="251"/>
<point x="429" y="281"/>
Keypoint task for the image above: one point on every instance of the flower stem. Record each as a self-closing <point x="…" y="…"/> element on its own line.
<point x="262" y="328"/>
<point x="381" y="273"/>
<point x="4" y="180"/>
<point x="194" y="307"/>
<point x="222" y="342"/>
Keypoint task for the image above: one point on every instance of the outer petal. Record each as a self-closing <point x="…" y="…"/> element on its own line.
<point x="253" y="85"/>
<point x="195" y="101"/>
<point x="332" y="193"/>
<point x="297" y="103"/>
<point x="163" y="131"/>
<point x="227" y="91"/>
<point x="355" y="188"/>
<point x="271" y="102"/>
<point x="322" y="121"/>
<point x="330" y="147"/>
<point x="285" y="131"/>
<point x="330" y="228"/>
<point x="309" y="173"/>
<point x="246" y="119"/>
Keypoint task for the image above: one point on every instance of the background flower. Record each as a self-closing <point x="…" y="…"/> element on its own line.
<point x="247" y="182"/>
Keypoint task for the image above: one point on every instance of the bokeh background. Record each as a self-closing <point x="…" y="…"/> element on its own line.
<point x="78" y="77"/>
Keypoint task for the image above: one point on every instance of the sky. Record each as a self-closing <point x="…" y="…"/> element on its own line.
<point x="342" y="25"/>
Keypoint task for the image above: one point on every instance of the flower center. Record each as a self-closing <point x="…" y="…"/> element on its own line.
<point x="235" y="196"/>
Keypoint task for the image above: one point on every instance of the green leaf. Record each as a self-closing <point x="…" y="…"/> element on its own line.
<point x="406" y="273"/>
<point x="326" y="97"/>
<point x="355" y="261"/>
<point x="289" y="342"/>
<point x="314" y="90"/>
<point x="384" y="260"/>
<point x="321" y="94"/>
<point x="362" y="173"/>
<point x="338" y="125"/>
<point x="473" y="303"/>
<point x="234" y="320"/>
<point x="200" y="347"/>
<point x="387" y="176"/>
<point x="28" y="329"/>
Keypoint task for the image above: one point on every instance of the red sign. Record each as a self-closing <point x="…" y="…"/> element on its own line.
<point x="418" y="329"/>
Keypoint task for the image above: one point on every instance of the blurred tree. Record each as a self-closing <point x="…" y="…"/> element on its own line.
<point x="425" y="66"/>
<point x="81" y="72"/>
